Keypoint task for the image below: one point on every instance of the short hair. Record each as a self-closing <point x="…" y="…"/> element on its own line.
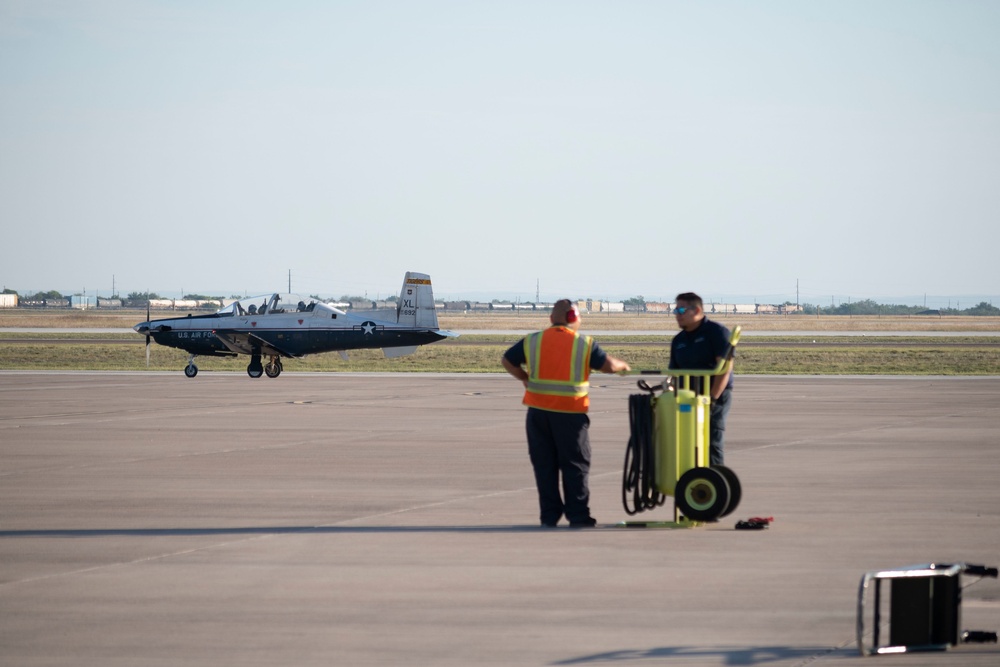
<point x="559" y="310"/>
<point x="691" y="298"/>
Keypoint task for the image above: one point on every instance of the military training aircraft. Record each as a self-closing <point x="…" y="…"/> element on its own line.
<point x="288" y="325"/>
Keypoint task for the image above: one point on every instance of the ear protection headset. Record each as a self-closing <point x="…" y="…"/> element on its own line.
<point x="572" y="315"/>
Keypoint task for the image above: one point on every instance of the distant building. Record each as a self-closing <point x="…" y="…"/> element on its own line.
<point x="82" y="302"/>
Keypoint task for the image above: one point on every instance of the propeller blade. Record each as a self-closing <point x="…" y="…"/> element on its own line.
<point x="147" y="333"/>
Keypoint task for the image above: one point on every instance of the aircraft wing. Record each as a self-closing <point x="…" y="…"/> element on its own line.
<point x="244" y="342"/>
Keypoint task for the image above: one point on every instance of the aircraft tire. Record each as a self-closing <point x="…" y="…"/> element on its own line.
<point x="255" y="370"/>
<point x="191" y="370"/>
<point x="272" y="370"/>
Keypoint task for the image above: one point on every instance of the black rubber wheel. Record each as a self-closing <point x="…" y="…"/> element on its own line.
<point x="702" y="494"/>
<point x="272" y="370"/>
<point x="735" y="488"/>
<point x="255" y="370"/>
<point x="191" y="370"/>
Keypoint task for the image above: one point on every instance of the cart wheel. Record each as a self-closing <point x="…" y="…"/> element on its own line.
<point x="702" y="494"/>
<point x="735" y="488"/>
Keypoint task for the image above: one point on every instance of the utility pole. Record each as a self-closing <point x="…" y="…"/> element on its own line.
<point x="536" y="290"/>
<point x="289" y="281"/>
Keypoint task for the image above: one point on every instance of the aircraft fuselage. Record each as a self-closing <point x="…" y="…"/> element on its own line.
<point x="211" y="335"/>
<point x="291" y="326"/>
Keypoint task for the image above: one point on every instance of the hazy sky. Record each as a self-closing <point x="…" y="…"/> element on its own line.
<point x="602" y="149"/>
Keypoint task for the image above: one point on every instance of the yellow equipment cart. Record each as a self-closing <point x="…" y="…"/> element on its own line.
<point x="667" y="453"/>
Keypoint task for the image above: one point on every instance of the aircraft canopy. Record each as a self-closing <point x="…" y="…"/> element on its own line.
<point x="275" y="304"/>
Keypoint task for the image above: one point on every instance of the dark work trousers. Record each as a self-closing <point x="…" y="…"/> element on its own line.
<point x="717" y="427"/>
<point x="559" y="442"/>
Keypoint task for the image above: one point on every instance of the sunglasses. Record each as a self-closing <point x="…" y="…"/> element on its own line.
<point x="680" y="310"/>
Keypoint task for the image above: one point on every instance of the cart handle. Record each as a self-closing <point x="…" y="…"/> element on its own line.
<point x="720" y="368"/>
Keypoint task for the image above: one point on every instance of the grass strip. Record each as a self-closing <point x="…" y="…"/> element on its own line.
<point x="445" y="358"/>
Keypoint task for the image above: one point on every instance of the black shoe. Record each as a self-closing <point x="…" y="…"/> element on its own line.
<point x="546" y="524"/>
<point x="586" y="523"/>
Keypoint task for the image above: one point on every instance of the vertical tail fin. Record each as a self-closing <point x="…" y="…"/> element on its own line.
<point x="416" y="302"/>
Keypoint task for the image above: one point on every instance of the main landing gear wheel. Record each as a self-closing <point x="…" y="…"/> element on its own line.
<point x="702" y="494"/>
<point x="191" y="370"/>
<point x="255" y="369"/>
<point x="735" y="488"/>
<point x="273" y="368"/>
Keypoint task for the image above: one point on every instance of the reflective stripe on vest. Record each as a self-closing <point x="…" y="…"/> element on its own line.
<point x="558" y="362"/>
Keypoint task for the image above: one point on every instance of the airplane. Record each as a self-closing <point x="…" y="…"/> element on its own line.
<point x="292" y="326"/>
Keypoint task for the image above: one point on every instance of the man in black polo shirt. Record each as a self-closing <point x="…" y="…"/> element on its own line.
<point x="700" y="345"/>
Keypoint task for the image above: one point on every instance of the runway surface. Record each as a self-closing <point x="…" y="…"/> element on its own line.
<point x="391" y="519"/>
<point x="517" y="333"/>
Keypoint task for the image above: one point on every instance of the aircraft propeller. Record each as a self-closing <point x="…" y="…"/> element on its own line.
<point x="147" y="333"/>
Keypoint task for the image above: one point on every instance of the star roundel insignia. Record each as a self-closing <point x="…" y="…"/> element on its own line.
<point x="369" y="327"/>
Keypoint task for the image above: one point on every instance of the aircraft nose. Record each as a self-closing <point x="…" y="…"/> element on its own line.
<point x="142" y="327"/>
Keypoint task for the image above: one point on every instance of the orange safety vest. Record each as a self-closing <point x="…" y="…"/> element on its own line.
<point x="558" y="361"/>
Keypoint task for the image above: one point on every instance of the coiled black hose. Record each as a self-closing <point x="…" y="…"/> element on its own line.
<point x="639" y="475"/>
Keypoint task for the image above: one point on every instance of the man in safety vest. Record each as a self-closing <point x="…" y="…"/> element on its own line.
<point x="554" y="366"/>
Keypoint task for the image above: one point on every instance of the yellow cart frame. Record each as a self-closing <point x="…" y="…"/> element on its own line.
<point x="680" y="456"/>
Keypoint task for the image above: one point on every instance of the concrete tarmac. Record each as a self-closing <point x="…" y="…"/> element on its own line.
<point x="391" y="519"/>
